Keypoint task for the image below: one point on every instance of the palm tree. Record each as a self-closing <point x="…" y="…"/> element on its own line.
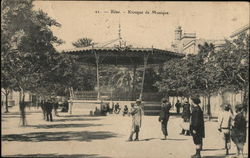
<point x="83" y="42"/>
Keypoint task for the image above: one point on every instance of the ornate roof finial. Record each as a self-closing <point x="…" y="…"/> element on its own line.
<point x="119" y="30"/>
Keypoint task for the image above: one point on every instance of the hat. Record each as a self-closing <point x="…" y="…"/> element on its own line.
<point x="164" y="100"/>
<point x="239" y="106"/>
<point x="227" y="107"/>
<point x="138" y="100"/>
<point x="196" y="99"/>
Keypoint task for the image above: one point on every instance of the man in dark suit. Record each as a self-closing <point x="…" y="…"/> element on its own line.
<point x="197" y="127"/>
<point x="49" y="107"/>
<point x="178" y="106"/>
<point x="164" y="116"/>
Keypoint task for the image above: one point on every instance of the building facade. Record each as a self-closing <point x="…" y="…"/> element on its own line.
<point x="187" y="43"/>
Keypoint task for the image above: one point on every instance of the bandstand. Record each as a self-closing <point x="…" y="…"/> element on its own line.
<point x="122" y="53"/>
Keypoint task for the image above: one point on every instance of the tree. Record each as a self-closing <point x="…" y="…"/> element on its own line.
<point x="83" y="42"/>
<point x="27" y="46"/>
<point x="232" y="61"/>
<point x="194" y="74"/>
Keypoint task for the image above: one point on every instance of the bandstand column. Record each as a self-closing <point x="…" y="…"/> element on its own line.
<point x="145" y="59"/>
<point x="97" y="73"/>
<point x="133" y="82"/>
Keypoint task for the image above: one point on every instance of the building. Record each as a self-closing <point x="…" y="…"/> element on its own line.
<point x="187" y="43"/>
<point x="14" y="97"/>
<point x="244" y="29"/>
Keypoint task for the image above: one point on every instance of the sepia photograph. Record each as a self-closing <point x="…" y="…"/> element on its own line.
<point x="124" y="79"/>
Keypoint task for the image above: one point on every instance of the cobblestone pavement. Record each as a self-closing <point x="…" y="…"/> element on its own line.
<point x="78" y="135"/>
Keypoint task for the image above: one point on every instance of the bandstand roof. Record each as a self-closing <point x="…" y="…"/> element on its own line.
<point x="122" y="54"/>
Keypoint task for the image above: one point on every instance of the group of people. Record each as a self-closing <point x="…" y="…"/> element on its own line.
<point x="231" y="125"/>
<point x="47" y="108"/>
<point x="115" y="108"/>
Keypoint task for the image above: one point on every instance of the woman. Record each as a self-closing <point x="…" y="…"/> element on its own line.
<point x="238" y="134"/>
<point x="164" y="117"/>
<point x="186" y="113"/>
<point x="197" y="127"/>
<point x="225" y="121"/>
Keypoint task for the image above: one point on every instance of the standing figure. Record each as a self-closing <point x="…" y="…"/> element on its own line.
<point x="55" y="106"/>
<point x="117" y="108"/>
<point x="43" y="109"/>
<point x="136" y="113"/>
<point x="197" y="127"/>
<point x="125" y="110"/>
<point x="164" y="116"/>
<point x="186" y="113"/>
<point x="112" y="109"/>
<point x="178" y="106"/>
<point x="225" y="121"/>
<point x="49" y="107"/>
<point x="239" y="129"/>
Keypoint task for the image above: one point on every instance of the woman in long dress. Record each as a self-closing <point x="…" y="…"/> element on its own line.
<point x="238" y="134"/>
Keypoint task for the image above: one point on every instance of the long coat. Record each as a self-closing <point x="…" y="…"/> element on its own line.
<point x="136" y="113"/>
<point x="186" y="113"/>
<point x="239" y="129"/>
<point x="164" y="113"/>
<point x="197" y="121"/>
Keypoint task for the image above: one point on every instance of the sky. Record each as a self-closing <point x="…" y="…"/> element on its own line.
<point x="93" y="19"/>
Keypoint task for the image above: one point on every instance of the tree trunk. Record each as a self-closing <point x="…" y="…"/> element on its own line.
<point x="209" y="106"/>
<point x="22" y="108"/>
<point x="6" y="101"/>
<point x="246" y="100"/>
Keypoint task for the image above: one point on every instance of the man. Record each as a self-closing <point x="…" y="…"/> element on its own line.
<point x="224" y="122"/>
<point x="197" y="127"/>
<point x="178" y="106"/>
<point x="136" y="113"/>
<point x="49" y="107"/>
<point x="43" y="109"/>
<point x="55" y="106"/>
<point x="164" y="116"/>
<point x="186" y="117"/>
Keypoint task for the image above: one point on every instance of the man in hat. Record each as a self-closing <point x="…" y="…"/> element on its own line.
<point x="136" y="113"/>
<point x="225" y="120"/>
<point x="197" y="127"/>
<point x="164" y="116"/>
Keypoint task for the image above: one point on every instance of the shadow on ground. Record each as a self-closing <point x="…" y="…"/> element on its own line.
<point x="75" y="119"/>
<point x="59" y="136"/>
<point x="212" y="149"/>
<point x="232" y="155"/>
<point x="64" y="126"/>
<point x="59" y="156"/>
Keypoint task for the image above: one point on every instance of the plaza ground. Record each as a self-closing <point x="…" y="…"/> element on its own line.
<point x="79" y="135"/>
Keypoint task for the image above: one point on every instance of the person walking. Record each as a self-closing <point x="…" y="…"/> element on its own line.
<point x="186" y="113"/>
<point x="197" y="127"/>
<point x="55" y="106"/>
<point x="225" y="122"/>
<point x="178" y="106"/>
<point x="136" y="113"/>
<point x="49" y="107"/>
<point x="164" y="117"/>
<point x="43" y="107"/>
<point x="239" y="127"/>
